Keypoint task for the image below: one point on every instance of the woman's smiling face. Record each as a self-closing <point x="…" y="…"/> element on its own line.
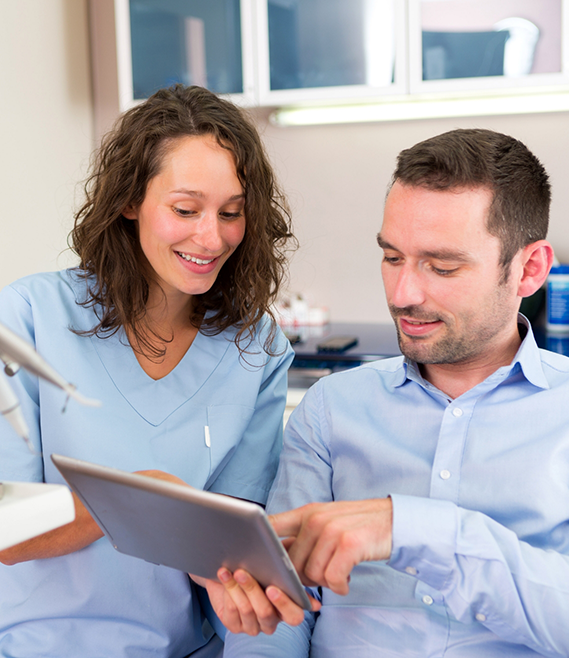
<point x="192" y="217"/>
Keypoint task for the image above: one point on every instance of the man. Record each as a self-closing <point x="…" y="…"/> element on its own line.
<point x="448" y="467"/>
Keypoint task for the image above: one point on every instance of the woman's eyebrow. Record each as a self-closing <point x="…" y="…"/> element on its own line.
<point x="200" y="195"/>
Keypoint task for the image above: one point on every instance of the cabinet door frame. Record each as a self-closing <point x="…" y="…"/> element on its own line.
<point x="481" y="86"/>
<point x="336" y="94"/>
<point x="124" y="55"/>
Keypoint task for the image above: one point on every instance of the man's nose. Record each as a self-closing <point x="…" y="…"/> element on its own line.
<point x="409" y="290"/>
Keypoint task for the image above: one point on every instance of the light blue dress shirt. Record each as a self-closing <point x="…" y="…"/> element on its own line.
<point x="480" y="489"/>
<point x="97" y="602"/>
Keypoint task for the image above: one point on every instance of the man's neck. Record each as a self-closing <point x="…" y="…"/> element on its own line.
<point x="455" y="379"/>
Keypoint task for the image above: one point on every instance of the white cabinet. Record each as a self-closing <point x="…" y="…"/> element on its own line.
<point x="468" y="45"/>
<point x="323" y="50"/>
<point x="260" y="52"/>
<point x="139" y="46"/>
<point x="284" y="52"/>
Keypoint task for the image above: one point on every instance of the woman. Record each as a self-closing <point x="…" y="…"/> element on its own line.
<point x="166" y="320"/>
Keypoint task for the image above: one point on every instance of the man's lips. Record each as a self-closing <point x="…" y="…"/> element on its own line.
<point x="411" y="327"/>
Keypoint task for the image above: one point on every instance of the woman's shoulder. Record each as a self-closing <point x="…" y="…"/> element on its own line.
<point x="53" y="291"/>
<point x="259" y="346"/>
<point x="267" y="334"/>
<point x="34" y="286"/>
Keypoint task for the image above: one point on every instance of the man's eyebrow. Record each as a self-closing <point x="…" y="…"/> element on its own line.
<point x="383" y="243"/>
<point x="455" y="255"/>
<point x="448" y="255"/>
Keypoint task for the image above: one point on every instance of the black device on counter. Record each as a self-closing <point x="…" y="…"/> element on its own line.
<point x="337" y="344"/>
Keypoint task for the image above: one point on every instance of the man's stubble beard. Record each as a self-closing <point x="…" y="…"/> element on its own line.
<point x="478" y="330"/>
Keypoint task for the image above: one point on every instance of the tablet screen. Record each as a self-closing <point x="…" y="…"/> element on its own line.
<point x="180" y="527"/>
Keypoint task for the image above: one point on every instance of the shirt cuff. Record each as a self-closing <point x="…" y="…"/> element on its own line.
<point x="424" y="538"/>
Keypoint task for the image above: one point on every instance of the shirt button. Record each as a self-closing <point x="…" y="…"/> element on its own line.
<point x="480" y="617"/>
<point x="411" y="571"/>
<point x="427" y="600"/>
<point x="445" y="475"/>
<point x="457" y="412"/>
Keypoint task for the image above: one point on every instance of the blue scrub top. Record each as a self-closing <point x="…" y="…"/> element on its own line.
<point x="97" y="602"/>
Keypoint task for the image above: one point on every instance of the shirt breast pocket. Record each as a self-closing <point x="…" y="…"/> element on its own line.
<point x="226" y="425"/>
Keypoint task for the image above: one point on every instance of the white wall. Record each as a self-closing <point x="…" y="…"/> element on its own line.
<point x="45" y="129"/>
<point x="336" y="178"/>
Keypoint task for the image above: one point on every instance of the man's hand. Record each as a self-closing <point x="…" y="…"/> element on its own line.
<point x="327" y="540"/>
<point x="243" y="607"/>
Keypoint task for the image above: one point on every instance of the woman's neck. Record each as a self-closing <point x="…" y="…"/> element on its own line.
<point x="168" y="328"/>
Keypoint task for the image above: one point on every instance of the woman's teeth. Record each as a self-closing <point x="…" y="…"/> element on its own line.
<point x="198" y="261"/>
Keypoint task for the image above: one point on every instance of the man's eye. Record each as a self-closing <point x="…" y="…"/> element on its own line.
<point x="440" y="272"/>
<point x="391" y="260"/>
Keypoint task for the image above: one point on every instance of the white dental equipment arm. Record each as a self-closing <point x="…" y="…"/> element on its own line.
<point x="10" y="409"/>
<point x="30" y="508"/>
<point x="16" y="351"/>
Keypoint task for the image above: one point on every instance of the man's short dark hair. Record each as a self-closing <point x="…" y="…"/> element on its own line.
<point x="519" y="212"/>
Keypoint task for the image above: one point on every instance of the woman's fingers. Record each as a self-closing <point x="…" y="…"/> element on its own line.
<point x="258" y="611"/>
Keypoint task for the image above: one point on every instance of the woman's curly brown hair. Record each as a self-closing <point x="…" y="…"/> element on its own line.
<point x="107" y="243"/>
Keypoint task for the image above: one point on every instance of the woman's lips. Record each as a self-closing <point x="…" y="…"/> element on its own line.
<point x="196" y="264"/>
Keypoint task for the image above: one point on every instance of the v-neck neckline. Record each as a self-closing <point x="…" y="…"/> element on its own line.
<point x="155" y="399"/>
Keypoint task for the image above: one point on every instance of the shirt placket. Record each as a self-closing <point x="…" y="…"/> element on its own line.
<point x="446" y="471"/>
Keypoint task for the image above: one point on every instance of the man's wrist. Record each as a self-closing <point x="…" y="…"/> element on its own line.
<point x="424" y="538"/>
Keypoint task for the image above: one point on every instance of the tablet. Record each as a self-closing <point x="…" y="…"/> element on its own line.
<point x="181" y="527"/>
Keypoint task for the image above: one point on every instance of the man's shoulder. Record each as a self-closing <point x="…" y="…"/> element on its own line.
<point x="384" y="372"/>
<point x="554" y="364"/>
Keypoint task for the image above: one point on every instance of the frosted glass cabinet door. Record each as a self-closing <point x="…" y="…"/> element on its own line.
<point x="330" y="43"/>
<point x="516" y="41"/>
<point x="195" y="42"/>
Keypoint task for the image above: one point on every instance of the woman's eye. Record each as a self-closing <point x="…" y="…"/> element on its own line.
<point x="231" y="215"/>
<point x="183" y="212"/>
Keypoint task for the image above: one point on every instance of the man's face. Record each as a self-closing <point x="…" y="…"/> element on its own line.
<point x="442" y="275"/>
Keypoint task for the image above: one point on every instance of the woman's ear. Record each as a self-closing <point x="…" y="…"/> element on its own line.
<point x="537" y="259"/>
<point x="130" y="212"/>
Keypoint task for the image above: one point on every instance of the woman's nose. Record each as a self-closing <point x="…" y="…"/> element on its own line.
<point x="208" y="233"/>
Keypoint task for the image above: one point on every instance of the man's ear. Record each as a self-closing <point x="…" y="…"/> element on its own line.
<point x="130" y="212"/>
<point x="536" y="261"/>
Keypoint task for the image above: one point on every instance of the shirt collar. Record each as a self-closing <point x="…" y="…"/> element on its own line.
<point x="527" y="360"/>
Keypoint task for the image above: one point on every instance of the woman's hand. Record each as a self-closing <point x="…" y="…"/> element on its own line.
<point x="162" y="475"/>
<point x="243" y="607"/>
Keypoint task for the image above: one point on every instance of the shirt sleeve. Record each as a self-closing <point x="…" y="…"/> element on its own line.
<point x="251" y="469"/>
<point x="286" y="642"/>
<point x="483" y="573"/>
